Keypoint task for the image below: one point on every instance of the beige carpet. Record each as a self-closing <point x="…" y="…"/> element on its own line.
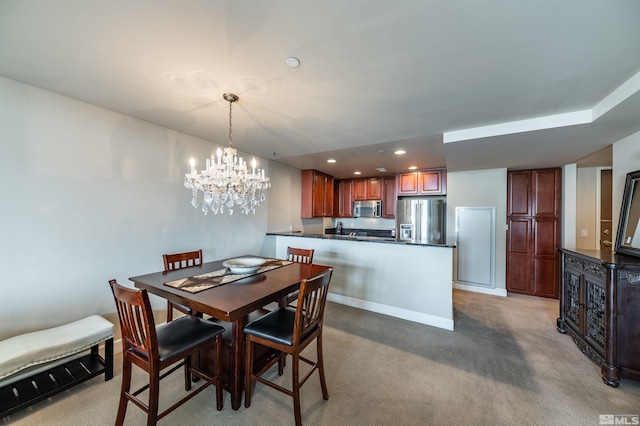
<point x="505" y="364"/>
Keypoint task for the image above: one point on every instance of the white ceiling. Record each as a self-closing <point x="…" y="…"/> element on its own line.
<point x="374" y="75"/>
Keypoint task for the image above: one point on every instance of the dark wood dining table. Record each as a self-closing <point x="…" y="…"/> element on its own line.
<point x="231" y="303"/>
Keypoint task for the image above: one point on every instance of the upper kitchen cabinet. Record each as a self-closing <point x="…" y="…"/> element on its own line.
<point x="346" y="191"/>
<point x="317" y="194"/>
<point x="535" y="193"/>
<point x="423" y="182"/>
<point x="367" y="189"/>
<point x="343" y="198"/>
<point x="389" y="197"/>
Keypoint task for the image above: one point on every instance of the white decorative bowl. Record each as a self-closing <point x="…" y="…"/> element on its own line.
<point x="243" y="265"/>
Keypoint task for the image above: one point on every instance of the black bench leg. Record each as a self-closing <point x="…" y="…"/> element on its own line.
<point x="108" y="359"/>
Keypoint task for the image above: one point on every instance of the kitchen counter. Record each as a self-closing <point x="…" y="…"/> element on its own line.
<point x="385" y="240"/>
<point x="408" y="280"/>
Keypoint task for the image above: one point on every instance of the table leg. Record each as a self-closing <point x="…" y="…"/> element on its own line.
<point x="237" y="361"/>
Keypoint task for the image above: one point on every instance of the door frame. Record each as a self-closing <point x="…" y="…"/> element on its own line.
<point x="597" y="206"/>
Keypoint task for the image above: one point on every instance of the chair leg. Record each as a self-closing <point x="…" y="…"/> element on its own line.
<point x="154" y="396"/>
<point x="248" y="371"/>
<point x="219" y="384"/>
<point x="196" y="361"/>
<point x="281" y="363"/>
<point x="125" y="388"/>
<point x="169" y="311"/>
<point x="187" y="373"/>
<point x="295" y="374"/>
<point x="323" y="382"/>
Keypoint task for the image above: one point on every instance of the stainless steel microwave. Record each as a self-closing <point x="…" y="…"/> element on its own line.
<point x="367" y="208"/>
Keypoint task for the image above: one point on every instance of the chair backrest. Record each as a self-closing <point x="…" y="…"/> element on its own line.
<point x="300" y="255"/>
<point x="182" y="260"/>
<point x="311" y="301"/>
<point x="136" y="320"/>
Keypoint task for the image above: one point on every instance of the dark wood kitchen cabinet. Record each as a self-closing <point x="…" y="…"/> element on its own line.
<point x="423" y="182"/>
<point x="343" y="198"/>
<point x="533" y="235"/>
<point x="367" y="189"/>
<point x="389" y="197"/>
<point x="600" y="309"/>
<point x="317" y="194"/>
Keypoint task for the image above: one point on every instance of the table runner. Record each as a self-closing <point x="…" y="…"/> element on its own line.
<point x="220" y="277"/>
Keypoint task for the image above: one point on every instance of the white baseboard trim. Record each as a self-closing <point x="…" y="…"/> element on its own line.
<point x="405" y="314"/>
<point x="477" y="289"/>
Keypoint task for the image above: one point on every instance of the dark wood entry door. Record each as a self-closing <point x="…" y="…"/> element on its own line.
<point x="533" y="236"/>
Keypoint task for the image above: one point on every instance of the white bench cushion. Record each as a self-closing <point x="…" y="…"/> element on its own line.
<point x="39" y="347"/>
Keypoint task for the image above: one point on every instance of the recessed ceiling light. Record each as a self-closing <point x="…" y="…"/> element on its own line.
<point x="400" y="152"/>
<point x="331" y="160"/>
<point x="413" y="167"/>
<point x="357" y="173"/>
<point x="293" y="62"/>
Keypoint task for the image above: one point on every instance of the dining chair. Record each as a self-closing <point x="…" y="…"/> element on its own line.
<point x="299" y="255"/>
<point x="290" y="331"/>
<point x="177" y="261"/>
<point x="154" y="349"/>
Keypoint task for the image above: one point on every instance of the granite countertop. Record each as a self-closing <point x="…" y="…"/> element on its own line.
<point x="383" y="240"/>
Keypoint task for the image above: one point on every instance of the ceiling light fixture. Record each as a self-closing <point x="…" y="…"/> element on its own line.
<point x="331" y="160"/>
<point x="293" y="62"/>
<point x="400" y="152"/>
<point x="413" y="167"/>
<point x="357" y="173"/>
<point x="226" y="182"/>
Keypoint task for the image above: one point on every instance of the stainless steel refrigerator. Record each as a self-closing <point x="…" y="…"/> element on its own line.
<point x="421" y="220"/>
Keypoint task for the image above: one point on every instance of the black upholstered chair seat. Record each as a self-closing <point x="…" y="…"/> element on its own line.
<point x="276" y="326"/>
<point x="184" y="333"/>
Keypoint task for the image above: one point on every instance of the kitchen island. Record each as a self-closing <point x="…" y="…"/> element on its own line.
<point x="409" y="280"/>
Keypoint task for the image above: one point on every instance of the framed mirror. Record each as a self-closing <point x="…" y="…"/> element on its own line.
<point x="628" y="237"/>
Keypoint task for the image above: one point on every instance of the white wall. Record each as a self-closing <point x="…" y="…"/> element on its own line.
<point x="586" y="208"/>
<point x="626" y="159"/>
<point x="284" y="198"/>
<point x="481" y="188"/>
<point x="362" y="277"/>
<point x="89" y="195"/>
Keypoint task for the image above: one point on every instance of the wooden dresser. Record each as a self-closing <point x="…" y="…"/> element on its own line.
<point x="600" y="309"/>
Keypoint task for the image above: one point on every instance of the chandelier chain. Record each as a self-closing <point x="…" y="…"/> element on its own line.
<point x="230" y="115"/>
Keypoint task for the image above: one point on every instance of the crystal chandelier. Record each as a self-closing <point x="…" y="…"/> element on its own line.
<point x="227" y="182"/>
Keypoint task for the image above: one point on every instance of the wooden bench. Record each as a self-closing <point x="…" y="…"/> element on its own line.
<point x="34" y="366"/>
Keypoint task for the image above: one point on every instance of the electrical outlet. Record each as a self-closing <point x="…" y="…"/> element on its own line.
<point x="584" y="233"/>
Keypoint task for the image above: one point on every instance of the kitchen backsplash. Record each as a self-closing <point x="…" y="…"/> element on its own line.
<point x="385" y="233"/>
<point x="373" y="227"/>
<point x="365" y="223"/>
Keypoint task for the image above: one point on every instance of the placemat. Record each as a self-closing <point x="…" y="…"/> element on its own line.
<point x="221" y="277"/>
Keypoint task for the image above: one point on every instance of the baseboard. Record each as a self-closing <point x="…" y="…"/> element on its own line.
<point x="405" y="314"/>
<point x="477" y="289"/>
